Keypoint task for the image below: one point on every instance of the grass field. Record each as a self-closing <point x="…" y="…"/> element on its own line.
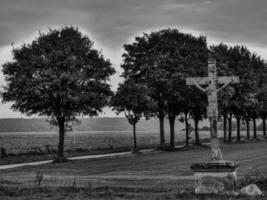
<point x="36" y="146"/>
<point x="24" y="142"/>
<point x="155" y="175"/>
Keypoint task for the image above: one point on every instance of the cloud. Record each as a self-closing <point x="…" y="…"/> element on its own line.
<point x="113" y="22"/>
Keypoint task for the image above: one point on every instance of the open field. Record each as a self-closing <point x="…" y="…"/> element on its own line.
<point x="155" y="175"/>
<point x="23" y="142"/>
<point x="36" y="146"/>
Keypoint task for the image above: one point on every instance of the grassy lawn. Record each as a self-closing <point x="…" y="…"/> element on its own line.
<point x="155" y="175"/>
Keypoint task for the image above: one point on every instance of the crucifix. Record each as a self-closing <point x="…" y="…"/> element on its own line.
<point x="211" y="90"/>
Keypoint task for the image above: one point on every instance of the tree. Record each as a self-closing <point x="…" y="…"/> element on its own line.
<point x="250" y="68"/>
<point x="250" y="104"/>
<point x="221" y="53"/>
<point x="224" y="101"/>
<point x="132" y="99"/>
<point x="262" y="99"/>
<point x="261" y="95"/>
<point x="162" y="60"/>
<point x="198" y="113"/>
<point x="193" y="105"/>
<point x="58" y="75"/>
<point x="138" y="65"/>
<point x="184" y="118"/>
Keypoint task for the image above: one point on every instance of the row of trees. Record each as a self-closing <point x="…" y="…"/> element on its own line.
<point x="160" y="62"/>
<point x="61" y="76"/>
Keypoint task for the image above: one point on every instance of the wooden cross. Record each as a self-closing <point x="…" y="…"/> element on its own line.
<point x="211" y="90"/>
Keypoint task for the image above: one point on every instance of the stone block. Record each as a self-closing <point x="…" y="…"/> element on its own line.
<point x="215" y="177"/>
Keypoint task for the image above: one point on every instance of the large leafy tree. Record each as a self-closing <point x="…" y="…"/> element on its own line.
<point x="141" y="64"/>
<point x="58" y="75"/>
<point x="162" y="60"/>
<point x="134" y="101"/>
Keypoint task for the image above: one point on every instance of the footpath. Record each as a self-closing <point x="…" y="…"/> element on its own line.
<point x="11" y="166"/>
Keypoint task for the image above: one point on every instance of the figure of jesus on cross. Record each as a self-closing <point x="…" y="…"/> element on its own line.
<point x="211" y="90"/>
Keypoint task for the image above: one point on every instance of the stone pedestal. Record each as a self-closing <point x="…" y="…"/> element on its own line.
<point x="215" y="177"/>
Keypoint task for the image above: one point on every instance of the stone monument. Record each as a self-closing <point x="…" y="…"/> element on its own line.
<point x="216" y="176"/>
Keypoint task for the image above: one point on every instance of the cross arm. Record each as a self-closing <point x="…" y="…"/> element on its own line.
<point x="226" y="79"/>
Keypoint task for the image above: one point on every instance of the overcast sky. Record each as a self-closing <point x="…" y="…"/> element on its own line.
<point x="111" y="23"/>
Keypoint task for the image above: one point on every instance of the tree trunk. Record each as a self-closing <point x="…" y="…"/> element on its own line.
<point x="238" y="128"/>
<point x="161" y="129"/>
<point x="254" y="128"/>
<point x="230" y="128"/>
<point x="186" y="130"/>
<point x="248" y="129"/>
<point x="61" y="126"/>
<point x="3" y="152"/>
<point x="134" y="137"/>
<point x="172" y="132"/>
<point x="264" y="126"/>
<point x="197" y="142"/>
<point x="224" y="127"/>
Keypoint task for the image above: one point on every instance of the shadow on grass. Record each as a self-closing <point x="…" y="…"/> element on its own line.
<point x="181" y="148"/>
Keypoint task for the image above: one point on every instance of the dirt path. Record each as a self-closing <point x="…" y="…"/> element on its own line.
<point x="11" y="166"/>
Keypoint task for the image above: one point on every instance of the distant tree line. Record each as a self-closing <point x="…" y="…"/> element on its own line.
<point x="61" y="76"/>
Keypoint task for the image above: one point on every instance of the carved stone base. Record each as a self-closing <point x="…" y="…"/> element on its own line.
<point x="215" y="177"/>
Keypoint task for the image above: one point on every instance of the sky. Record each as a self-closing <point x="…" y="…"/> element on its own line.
<point x="112" y="23"/>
